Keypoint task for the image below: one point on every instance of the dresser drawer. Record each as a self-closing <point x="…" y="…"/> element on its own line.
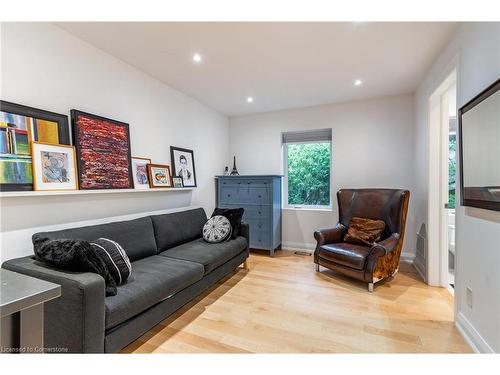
<point x="245" y="182"/>
<point x="252" y="212"/>
<point x="237" y="194"/>
<point x="260" y="239"/>
<point x="258" y="225"/>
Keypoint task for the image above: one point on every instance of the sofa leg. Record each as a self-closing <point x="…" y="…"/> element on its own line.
<point x="245" y="265"/>
<point x="370" y="287"/>
<point x="317" y="267"/>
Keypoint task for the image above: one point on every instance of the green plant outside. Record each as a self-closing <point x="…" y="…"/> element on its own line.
<point x="309" y="173"/>
<point x="452" y="170"/>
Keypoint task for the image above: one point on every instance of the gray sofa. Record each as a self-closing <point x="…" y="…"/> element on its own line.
<point x="171" y="265"/>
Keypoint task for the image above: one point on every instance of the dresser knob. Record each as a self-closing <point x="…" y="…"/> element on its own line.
<point x="260" y="196"/>
<point x="229" y="195"/>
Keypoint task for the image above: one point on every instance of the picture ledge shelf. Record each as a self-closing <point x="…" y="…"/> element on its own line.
<point x="7" y="194"/>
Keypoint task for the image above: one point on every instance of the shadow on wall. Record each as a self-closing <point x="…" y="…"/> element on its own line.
<point x="481" y="214"/>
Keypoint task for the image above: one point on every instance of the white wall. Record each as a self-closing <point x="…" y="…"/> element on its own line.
<point x="45" y="67"/>
<point x="477" y="49"/>
<point x="372" y="147"/>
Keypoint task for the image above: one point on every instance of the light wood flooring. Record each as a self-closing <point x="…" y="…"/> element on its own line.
<point x="281" y="305"/>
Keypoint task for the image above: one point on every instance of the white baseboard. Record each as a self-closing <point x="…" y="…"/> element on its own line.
<point x="287" y="245"/>
<point x="407" y="258"/>
<point x="471" y="335"/>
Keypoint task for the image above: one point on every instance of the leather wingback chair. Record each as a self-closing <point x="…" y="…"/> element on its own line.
<point x="365" y="263"/>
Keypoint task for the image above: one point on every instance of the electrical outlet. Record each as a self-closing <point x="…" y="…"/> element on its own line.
<point x="469" y="297"/>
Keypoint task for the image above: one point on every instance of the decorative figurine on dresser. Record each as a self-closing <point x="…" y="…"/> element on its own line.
<point x="260" y="196"/>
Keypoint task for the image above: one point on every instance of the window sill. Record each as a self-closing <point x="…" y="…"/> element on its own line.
<point x="323" y="209"/>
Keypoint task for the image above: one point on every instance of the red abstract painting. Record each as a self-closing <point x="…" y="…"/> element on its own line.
<point x="103" y="151"/>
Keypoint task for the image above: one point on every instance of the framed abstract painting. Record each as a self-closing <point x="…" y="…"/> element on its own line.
<point x="20" y="125"/>
<point x="54" y="167"/>
<point x="102" y="152"/>
<point x="140" y="172"/>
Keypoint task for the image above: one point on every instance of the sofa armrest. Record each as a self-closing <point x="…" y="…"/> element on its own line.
<point x="386" y="246"/>
<point x="74" y="321"/>
<point x="245" y="232"/>
<point x="331" y="235"/>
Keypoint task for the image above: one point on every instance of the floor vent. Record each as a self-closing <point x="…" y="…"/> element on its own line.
<point x="303" y="253"/>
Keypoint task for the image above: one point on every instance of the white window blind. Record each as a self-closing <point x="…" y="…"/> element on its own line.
<point x="320" y="135"/>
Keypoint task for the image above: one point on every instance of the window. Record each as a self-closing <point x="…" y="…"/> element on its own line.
<point x="307" y="168"/>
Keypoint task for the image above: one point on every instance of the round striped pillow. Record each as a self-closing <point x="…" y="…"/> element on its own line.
<point x="217" y="229"/>
<point x="115" y="258"/>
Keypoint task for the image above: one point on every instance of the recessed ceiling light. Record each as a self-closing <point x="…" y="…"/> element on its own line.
<point x="249" y="99"/>
<point x="358" y="82"/>
<point x="197" y="58"/>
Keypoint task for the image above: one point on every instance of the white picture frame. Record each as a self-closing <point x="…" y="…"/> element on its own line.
<point x="140" y="174"/>
<point x="54" y="167"/>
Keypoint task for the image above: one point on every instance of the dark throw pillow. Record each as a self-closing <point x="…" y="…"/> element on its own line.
<point x="115" y="258"/>
<point x="363" y="231"/>
<point x="217" y="229"/>
<point x="234" y="216"/>
<point x="73" y="255"/>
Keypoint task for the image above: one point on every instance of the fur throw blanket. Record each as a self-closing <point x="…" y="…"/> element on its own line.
<point x="73" y="255"/>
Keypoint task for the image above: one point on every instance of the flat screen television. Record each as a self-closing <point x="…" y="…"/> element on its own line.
<point x="479" y="129"/>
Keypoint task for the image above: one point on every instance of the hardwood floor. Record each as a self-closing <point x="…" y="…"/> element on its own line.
<point x="281" y="305"/>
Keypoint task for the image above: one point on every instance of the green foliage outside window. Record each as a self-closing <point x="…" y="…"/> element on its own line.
<point x="309" y="174"/>
<point x="452" y="170"/>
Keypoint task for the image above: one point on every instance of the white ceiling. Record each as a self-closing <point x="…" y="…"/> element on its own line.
<point x="281" y="65"/>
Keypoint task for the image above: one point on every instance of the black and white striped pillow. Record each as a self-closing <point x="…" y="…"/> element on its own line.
<point x="115" y="258"/>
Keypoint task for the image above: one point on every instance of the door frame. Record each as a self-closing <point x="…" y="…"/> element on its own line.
<point x="437" y="221"/>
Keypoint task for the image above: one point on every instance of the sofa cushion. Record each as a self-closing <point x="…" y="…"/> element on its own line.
<point x="154" y="279"/>
<point x="210" y="255"/>
<point x="346" y="254"/>
<point x="234" y="215"/>
<point x="177" y="228"/>
<point x="135" y="236"/>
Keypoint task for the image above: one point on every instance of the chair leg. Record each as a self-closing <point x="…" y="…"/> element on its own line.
<point x="317" y="267"/>
<point x="370" y="287"/>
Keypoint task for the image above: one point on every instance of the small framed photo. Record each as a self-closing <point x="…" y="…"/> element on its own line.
<point x="177" y="182"/>
<point x="159" y="176"/>
<point x="183" y="164"/>
<point x="54" y="167"/>
<point x="140" y="172"/>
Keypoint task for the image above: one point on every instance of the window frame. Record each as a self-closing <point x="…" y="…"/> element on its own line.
<point x="304" y="207"/>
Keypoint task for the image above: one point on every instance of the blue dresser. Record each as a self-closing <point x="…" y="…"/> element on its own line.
<point x="260" y="196"/>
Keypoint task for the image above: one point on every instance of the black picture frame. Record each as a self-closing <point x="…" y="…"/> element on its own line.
<point x="173" y="149"/>
<point x="77" y="143"/>
<point x="37" y="113"/>
<point x="465" y="199"/>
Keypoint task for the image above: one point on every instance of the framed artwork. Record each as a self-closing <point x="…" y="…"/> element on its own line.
<point x="20" y="125"/>
<point x="140" y="172"/>
<point x="54" y="166"/>
<point x="102" y="151"/>
<point x="177" y="182"/>
<point x="159" y="176"/>
<point x="183" y="164"/>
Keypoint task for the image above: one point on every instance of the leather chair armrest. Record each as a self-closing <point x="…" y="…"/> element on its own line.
<point x="386" y="246"/>
<point x="331" y="235"/>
